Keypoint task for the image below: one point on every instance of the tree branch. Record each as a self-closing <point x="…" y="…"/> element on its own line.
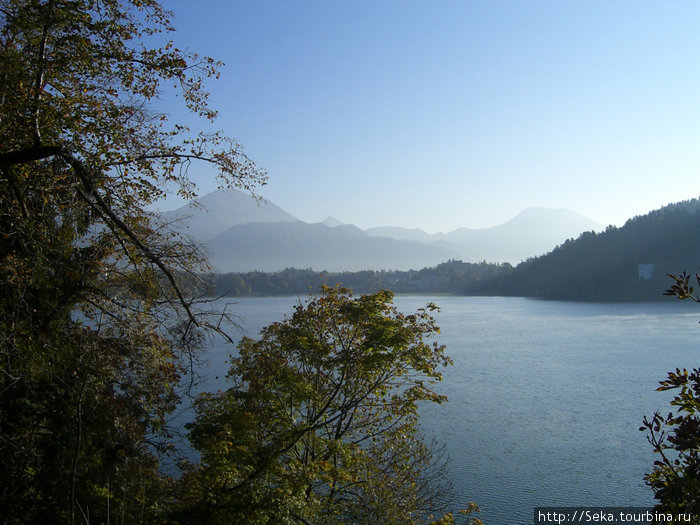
<point x="24" y="156"/>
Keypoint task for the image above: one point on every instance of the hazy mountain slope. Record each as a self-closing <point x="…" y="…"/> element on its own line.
<point x="275" y="246"/>
<point x="219" y="210"/>
<point x="402" y="234"/>
<point x="606" y="265"/>
<point x="331" y="222"/>
<point x="532" y="232"/>
<point x="279" y="245"/>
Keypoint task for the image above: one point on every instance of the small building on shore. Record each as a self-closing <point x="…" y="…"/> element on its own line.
<point x="645" y="271"/>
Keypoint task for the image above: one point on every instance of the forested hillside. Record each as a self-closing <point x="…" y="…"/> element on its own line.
<point x="623" y="264"/>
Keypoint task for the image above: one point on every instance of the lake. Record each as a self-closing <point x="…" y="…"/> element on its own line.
<point x="546" y="398"/>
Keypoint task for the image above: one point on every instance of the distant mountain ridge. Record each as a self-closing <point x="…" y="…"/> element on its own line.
<point x="270" y="247"/>
<point x="243" y="234"/>
<point x="532" y="232"/>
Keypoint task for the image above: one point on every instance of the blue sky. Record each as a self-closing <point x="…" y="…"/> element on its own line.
<point x="445" y="114"/>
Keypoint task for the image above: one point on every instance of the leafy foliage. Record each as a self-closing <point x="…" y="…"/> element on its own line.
<point x="675" y="478"/>
<point x="682" y="288"/>
<point x="320" y="424"/>
<point x="95" y="331"/>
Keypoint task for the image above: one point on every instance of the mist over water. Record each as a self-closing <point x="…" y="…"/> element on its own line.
<point x="545" y="398"/>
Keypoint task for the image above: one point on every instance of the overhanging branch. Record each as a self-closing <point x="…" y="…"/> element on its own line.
<point x="24" y="156"/>
<point x="107" y="212"/>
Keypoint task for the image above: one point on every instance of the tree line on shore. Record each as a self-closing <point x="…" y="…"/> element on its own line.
<point x="446" y="278"/>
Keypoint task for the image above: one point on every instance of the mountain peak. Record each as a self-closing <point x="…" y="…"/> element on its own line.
<point x="540" y="212"/>
<point x="215" y="212"/>
<point x="532" y="232"/>
<point x="331" y="222"/>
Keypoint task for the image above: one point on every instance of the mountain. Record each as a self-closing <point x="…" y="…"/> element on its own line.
<point x="268" y="247"/>
<point x="625" y="264"/>
<point x="216" y="212"/>
<point x="401" y="234"/>
<point x="243" y="234"/>
<point x="332" y="222"/>
<point x="618" y="264"/>
<point x="532" y="232"/>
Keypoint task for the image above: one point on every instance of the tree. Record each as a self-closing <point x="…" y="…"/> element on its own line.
<point x="675" y="478"/>
<point x="320" y="424"/>
<point x="95" y="330"/>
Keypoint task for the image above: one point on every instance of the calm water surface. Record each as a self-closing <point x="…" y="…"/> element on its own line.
<point x="546" y="398"/>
